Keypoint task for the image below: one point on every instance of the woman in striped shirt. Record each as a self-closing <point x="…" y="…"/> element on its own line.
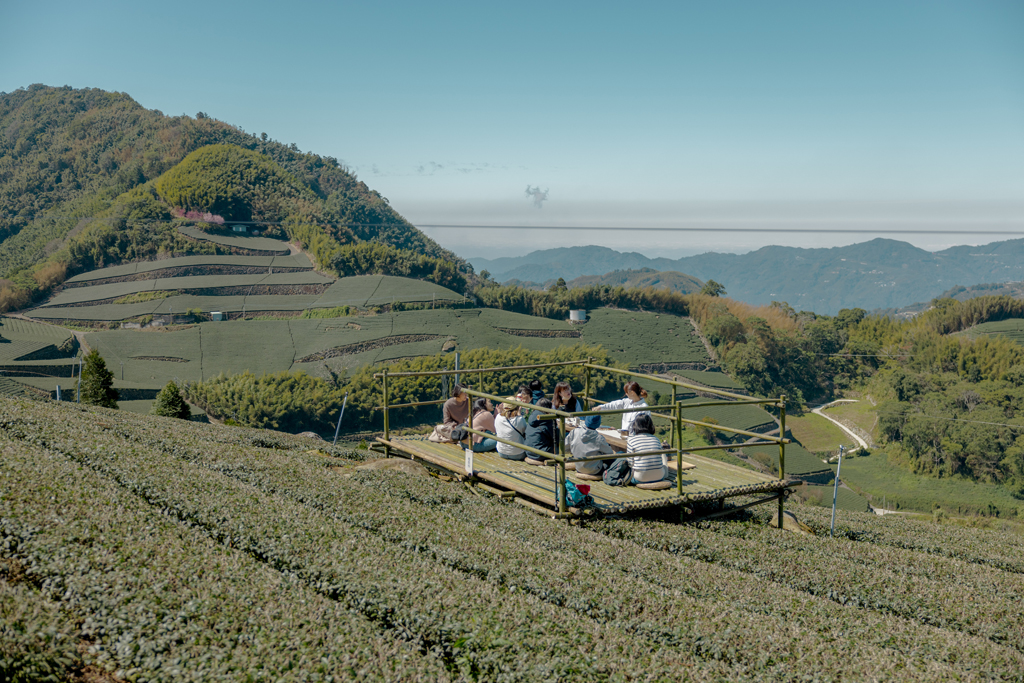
<point x="646" y="468"/>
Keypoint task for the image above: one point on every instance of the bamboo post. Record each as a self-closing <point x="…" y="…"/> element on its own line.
<point x="674" y="441"/>
<point x="561" y="465"/>
<point x="677" y="432"/>
<point x="387" y="426"/>
<point x="586" y="385"/>
<point x="782" y="449"/>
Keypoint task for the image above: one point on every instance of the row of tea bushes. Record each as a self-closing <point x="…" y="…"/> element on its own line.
<point x="462" y="532"/>
<point x="36" y="641"/>
<point x="477" y="567"/>
<point x="927" y="589"/>
<point x="151" y="599"/>
<point x="462" y="620"/>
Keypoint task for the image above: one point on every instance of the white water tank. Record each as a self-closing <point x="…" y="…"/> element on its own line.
<point x="579" y="316"/>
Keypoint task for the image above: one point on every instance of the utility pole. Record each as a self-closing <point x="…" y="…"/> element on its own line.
<point x="340" y="415"/>
<point x="835" y="492"/>
<point x="79" y="380"/>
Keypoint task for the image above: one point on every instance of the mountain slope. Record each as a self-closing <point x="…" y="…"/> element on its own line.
<point x="67" y="153"/>
<point x="881" y="273"/>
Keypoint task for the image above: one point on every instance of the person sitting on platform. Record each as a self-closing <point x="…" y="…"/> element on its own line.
<point x="523" y="394"/>
<point x="511" y="426"/>
<point x="456" y="409"/>
<point x="646" y="468"/>
<point x="565" y="400"/>
<point x="483" y="420"/>
<point x="585" y="441"/>
<point x="635" y="396"/>
<point x="540" y="434"/>
<point x="536" y="391"/>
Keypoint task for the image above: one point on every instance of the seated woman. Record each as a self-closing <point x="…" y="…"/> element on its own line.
<point x="564" y="399"/>
<point x="540" y="434"/>
<point x="456" y="408"/>
<point x="585" y="441"/>
<point x="483" y="420"/>
<point x="635" y="396"/>
<point x="511" y="426"/>
<point x="646" y="468"/>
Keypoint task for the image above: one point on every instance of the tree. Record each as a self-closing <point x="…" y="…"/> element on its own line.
<point x="169" y="403"/>
<point x="98" y="382"/>
<point x="485" y="275"/>
<point x="559" y="286"/>
<point x="712" y="288"/>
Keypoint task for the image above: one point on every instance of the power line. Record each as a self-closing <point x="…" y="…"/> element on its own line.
<point x="698" y="226"/>
<point x="952" y="419"/>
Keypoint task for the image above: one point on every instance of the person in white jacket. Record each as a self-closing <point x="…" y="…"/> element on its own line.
<point x="585" y="441"/>
<point x="635" y="395"/>
<point x="511" y="426"/>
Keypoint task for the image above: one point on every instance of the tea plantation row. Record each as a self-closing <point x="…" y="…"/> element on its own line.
<point x="386" y="575"/>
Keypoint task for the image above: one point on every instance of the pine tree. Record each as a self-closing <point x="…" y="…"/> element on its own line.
<point x="169" y="403"/>
<point x="98" y="382"/>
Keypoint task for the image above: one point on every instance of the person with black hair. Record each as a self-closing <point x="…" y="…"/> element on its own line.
<point x="540" y="434"/>
<point x="456" y="408"/>
<point x="646" y="468"/>
<point x="635" y="398"/>
<point x="483" y="420"/>
<point x="564" y="399"/>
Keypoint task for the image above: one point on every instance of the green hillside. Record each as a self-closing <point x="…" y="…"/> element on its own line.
<point x="643" y="277"/>
<point x="90" y="179"/>
<point x="205" y="553"/>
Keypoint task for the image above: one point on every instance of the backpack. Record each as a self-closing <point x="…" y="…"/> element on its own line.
<point x="619" y="474"/>
<point x="574" y="497"/>
<point x="459" y="433"/>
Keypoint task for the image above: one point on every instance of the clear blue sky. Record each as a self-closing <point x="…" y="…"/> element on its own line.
<point x="816" y="114"/>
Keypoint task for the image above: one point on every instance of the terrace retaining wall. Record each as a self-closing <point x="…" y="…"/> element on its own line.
<point x="184" y="271"/>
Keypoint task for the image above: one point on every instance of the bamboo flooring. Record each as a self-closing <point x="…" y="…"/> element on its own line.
<point x="707" y="479"/>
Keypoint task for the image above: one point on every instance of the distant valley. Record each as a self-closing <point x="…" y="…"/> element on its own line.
<point x="880" y="274"/>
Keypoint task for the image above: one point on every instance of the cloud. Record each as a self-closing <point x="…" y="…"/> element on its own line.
<point x="538" y="195"/>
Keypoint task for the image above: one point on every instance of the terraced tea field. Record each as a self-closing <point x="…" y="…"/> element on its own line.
<point x="92" y="303"/>
<point x="246" y="243"/>
<point x="195" y="265"/>
<point x="1012" y="328"/>
<point x="201" y="553"/>
<point x="637" y="338"/>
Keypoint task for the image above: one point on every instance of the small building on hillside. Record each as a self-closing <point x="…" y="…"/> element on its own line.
<point x="578" y="316"/>
<point x="239" y="228"/>
<point x="216" y="315"/>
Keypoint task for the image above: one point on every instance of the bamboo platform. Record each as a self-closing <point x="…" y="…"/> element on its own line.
<point x="707" y="480"/>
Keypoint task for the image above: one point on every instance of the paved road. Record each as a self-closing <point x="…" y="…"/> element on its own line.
<point x="817" y="411"/>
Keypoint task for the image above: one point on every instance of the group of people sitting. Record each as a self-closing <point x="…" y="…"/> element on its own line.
<point x="514" y="425"/>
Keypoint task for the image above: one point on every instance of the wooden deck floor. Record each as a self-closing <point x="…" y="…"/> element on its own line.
<point x="708" y="480"/>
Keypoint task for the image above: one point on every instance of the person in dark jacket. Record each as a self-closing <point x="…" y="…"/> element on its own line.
<point x="540" y="434"/>
<point x="536" y="394"/>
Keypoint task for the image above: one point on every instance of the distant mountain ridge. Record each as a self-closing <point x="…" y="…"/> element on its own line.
<point x="878" y="274"/>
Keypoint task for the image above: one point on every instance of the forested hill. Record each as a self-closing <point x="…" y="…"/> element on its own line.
<point x="67" y="154"/>
<point x="878" y="274"/>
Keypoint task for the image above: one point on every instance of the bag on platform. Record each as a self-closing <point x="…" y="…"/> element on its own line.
<point x="619" y="474"/>
<point x="441" y="434"/>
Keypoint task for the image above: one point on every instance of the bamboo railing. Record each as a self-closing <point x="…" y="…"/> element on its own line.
<point x="672" y="414"/>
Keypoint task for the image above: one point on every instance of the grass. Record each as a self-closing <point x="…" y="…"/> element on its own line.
<point x="816" y="433"/>
<point x="736" y="416"/>
<point x="799" y="461"/>
<point x="878" y="479"/>
<point x="237" y="241"/>
<point x="821" y="496"/>
<point x="861" y="414"/>
<point x="142" y="297"/>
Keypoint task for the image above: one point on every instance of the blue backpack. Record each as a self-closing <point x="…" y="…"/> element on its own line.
<point x="574" y="498"/>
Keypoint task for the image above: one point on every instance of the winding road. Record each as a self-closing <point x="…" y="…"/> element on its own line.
<point x="818" y="411"/>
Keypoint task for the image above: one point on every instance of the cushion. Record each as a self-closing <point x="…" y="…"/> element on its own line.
<point x="655" y="485"/>
<point x="588" y="477"/>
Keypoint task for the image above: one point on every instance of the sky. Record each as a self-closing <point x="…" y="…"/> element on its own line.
<point x="877" y="116"/>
